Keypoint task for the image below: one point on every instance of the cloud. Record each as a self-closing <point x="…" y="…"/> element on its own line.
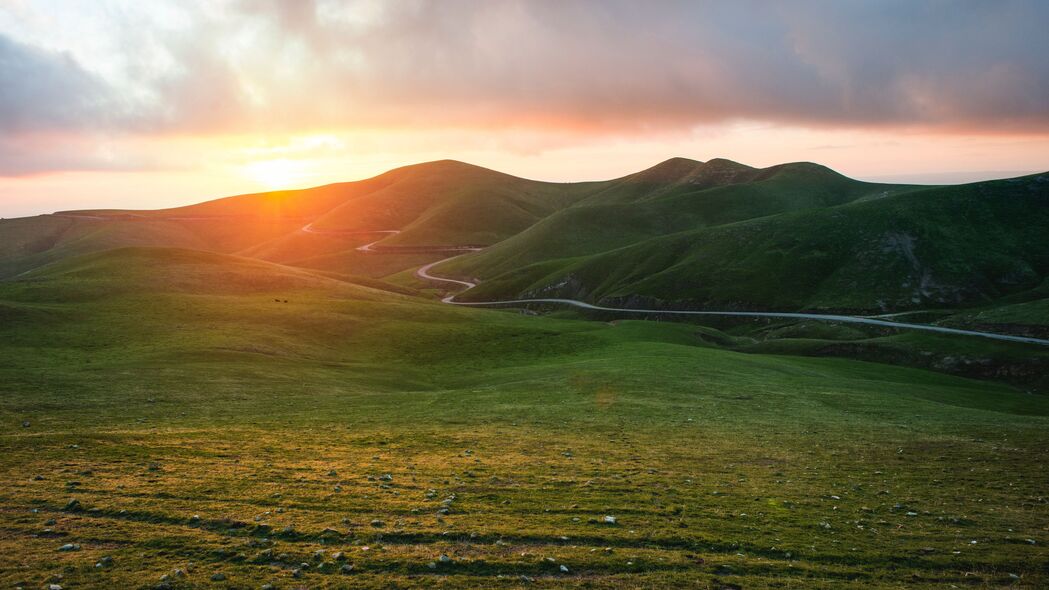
<point x="580" y="66"/>
<point x="29" y="154"/>
<point x="42" y="90"/>
<point x="630" y="66"/>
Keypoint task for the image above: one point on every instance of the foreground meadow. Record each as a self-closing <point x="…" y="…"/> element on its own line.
<point x="181" y="420"/>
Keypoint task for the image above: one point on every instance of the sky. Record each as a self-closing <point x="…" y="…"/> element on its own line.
<point x="132" y="104"/>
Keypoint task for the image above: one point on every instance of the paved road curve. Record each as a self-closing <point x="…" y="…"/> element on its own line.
<point x="462" y="286"/>
<point x="424" y="273"/>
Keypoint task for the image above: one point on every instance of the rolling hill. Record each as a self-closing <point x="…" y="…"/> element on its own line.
<point x="876" y="249"/>
<point x="672" y="197"/>
<point x="683" y="233"/>
<point x="434" y="203"/>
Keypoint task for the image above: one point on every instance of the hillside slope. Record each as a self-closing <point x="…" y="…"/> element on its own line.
<point x="434" y="203"/>
<point x="942" y="246"/>
<point x="682" y="233"/>
<point x="675" y="196"/>
<point x="237" y="418"/>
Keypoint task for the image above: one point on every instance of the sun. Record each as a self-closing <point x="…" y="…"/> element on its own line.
<point x="278" y="173"/>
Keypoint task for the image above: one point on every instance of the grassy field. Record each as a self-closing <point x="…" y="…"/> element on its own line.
<point x="219" y="417"/>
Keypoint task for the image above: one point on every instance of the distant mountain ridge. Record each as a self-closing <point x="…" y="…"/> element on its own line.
<point x="680" y="233"/>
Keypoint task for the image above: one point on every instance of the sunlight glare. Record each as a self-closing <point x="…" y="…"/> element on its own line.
<point x="277" y="174"/>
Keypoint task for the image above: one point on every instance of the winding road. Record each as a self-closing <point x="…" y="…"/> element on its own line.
<point x="424" y="273"/>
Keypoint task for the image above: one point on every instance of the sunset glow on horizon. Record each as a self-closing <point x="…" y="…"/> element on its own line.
<point x="147" y="105"/>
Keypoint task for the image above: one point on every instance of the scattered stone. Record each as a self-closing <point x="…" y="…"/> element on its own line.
<point x="72" y="506"/>
<point x="378" y="523"/>
<point x="50" y="522"/>
<point x="609" y="520"/>
<point x="564" y="569"/>
<point x="338" y="556"/>
<point x="268" y="587"/>
<point x="333" y="473"/>
<point x="69" y="547"/>
<point x="38" y="477"/>
<point x="218" y="577"/>
<point x="346" y="568"/>
<point x="444" y="558"/>
<point x="296" y="573"/>
<point x="179" y="572"/>
<point x="104" y="562"/>
<point x="52" y="586"/>
<point x="25" y="424"/>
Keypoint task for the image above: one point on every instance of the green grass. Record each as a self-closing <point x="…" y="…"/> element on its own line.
<point x="940" y="247"/>
<point x="1028" y="317"/>
<point x="200" y="398"/>
<point x="163" y="384"/>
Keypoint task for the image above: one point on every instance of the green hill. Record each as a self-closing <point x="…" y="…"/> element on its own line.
<point x="673" y="197"/>
<point x="436" y="203"/>
<point x="155" y="270"/>
<point x="450" y="202"/>
<point x="31" y="242"/>
<point x="682" y="233"/>
<point x="865" y="248"/>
